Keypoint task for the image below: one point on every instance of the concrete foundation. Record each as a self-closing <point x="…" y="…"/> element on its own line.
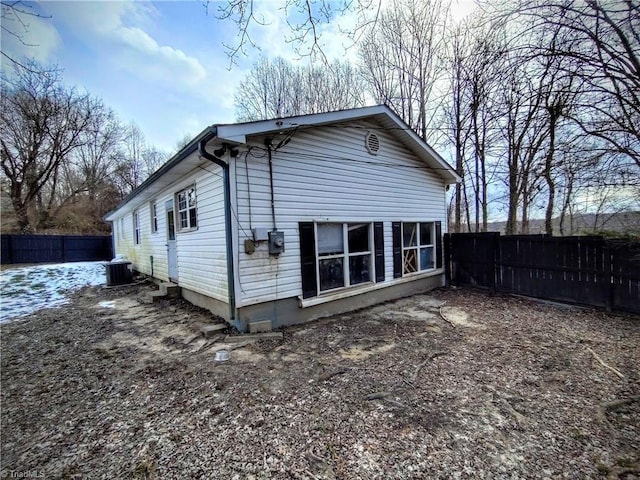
<point x="288" y="312"/>
<point x="215" y="306"/>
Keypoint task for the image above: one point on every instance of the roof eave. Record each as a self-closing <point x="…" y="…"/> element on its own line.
<point x="184" y="152"/>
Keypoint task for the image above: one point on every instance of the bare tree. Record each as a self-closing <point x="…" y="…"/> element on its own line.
<point x="524" y="131"/>
<point x="41" y="123"/>
<point x="15" y="20"/>
<point x="476" y="63"/>
<point x="401" y="58"/>
<point x="306" y="20"/>
<point x="278" y="89"/>
<point x="137" y="160"/>
<point x="603" y="40"/>
<point x="456" y="115"/>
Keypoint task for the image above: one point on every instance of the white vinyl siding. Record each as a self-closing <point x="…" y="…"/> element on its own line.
<point x="201" y="252"/>
<point x="202" y="260"/>
<point x="325" y="174"/>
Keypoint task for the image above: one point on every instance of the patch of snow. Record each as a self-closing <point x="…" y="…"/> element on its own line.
<point x="107" y="304"/>
<point x="25" y="290"/>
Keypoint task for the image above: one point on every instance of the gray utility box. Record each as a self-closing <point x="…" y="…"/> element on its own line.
<point x="118" y="273"/>
<point x="276" y="242"/>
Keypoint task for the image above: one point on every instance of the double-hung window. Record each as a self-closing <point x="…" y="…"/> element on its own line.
<point x="136" y="228"/>
<point x="344" y="254"/>
<point x="337" y="256"/>
<point x="418" y="247"/>
<point x="187" y="212"/>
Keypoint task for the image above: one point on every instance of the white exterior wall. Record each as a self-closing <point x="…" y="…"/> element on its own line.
<point x="151" y="244"/>
<point x="316" y="179"/>
<point x="201" y="253"/>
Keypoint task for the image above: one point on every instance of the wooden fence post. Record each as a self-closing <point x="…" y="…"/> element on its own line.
<point x="495" y="253"/>
<point x="10" y="248"/>
<point x="447" y="259"/>
<point x="607" y="272"/>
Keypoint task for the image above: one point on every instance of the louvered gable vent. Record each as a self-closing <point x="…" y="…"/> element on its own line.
<point x="372" y="142"/>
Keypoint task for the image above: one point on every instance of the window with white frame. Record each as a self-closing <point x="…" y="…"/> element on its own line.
<point x="344" y="254"/>
<point x="418" y="246"/>
<point x="187" y="212"/>
<point x="136" y="228"/>
<point x="154" y="217"/>
<point x="121" y="227"/>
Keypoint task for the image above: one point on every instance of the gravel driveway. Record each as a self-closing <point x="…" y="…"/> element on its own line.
<point x="451" y="384"/>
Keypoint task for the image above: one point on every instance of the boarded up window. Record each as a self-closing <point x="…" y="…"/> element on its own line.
<point x="417" y="247"/>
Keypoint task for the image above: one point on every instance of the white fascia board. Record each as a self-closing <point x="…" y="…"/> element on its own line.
<point x="238" y="133"/>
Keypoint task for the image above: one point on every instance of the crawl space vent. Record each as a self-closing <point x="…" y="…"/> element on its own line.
<point x="372" y="142"/>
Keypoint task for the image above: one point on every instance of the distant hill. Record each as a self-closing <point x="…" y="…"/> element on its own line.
<point x="583" y="224"/>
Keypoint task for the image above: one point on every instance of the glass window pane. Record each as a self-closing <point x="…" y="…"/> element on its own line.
<point x="426" y="258"/>
<point x="409" y="234"/>
<point x="192" y="197"/>
<point x="410" y="261"/>
<point x="358" y="237"/>
<point x="359" y="269"/>
<point x="425" y="234"/>
<point x="192" y="218"/>
<point x="330" y="240"/>
<point x="331" y="273"/>
<point x="183" y="220"/>
<point x="171" y="226"/>
<point x="182" y="201"/>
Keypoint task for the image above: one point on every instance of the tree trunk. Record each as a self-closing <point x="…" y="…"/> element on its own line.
<point x="553" y="121"/>
<point x="512" y="213"/>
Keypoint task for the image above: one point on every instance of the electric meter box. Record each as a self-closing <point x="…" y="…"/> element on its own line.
<point x="276" y="242"/>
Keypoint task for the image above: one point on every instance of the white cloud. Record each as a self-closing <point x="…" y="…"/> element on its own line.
<point x="116" y="30"/>
<point x="158" y="63"/>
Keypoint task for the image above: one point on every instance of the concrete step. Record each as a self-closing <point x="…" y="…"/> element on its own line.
<point x="210" y="330"/>
<point x="165" y="290"/>
<point x="253" y="337"/>
<point x="262" y="326"/>
<point x="157" y="296"/>
<point x="170" y="289"/>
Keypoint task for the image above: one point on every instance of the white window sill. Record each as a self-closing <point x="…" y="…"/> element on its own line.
<point x="353" y="291"/>
<point x="187" y="230"/>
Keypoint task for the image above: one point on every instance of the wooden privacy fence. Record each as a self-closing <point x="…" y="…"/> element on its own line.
<point x="581" y="270"/>
<point x="54" y="248"/>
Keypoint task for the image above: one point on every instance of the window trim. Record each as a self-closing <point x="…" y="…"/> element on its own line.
<point x="153" y="211"/>
<point x="136" y="227"/>
<point x="178" y="222"/>
<point x="345" y="255"/>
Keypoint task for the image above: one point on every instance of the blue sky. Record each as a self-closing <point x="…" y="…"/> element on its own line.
<point x="160" y="64"/>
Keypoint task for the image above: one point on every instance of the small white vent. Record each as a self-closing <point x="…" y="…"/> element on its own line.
<point x="372" y="142"/>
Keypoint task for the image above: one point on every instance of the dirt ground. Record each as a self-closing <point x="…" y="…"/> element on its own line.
<point x="452" y="384"/>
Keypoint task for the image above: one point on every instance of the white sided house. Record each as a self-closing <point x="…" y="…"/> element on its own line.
<point x="292" y="219"/>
